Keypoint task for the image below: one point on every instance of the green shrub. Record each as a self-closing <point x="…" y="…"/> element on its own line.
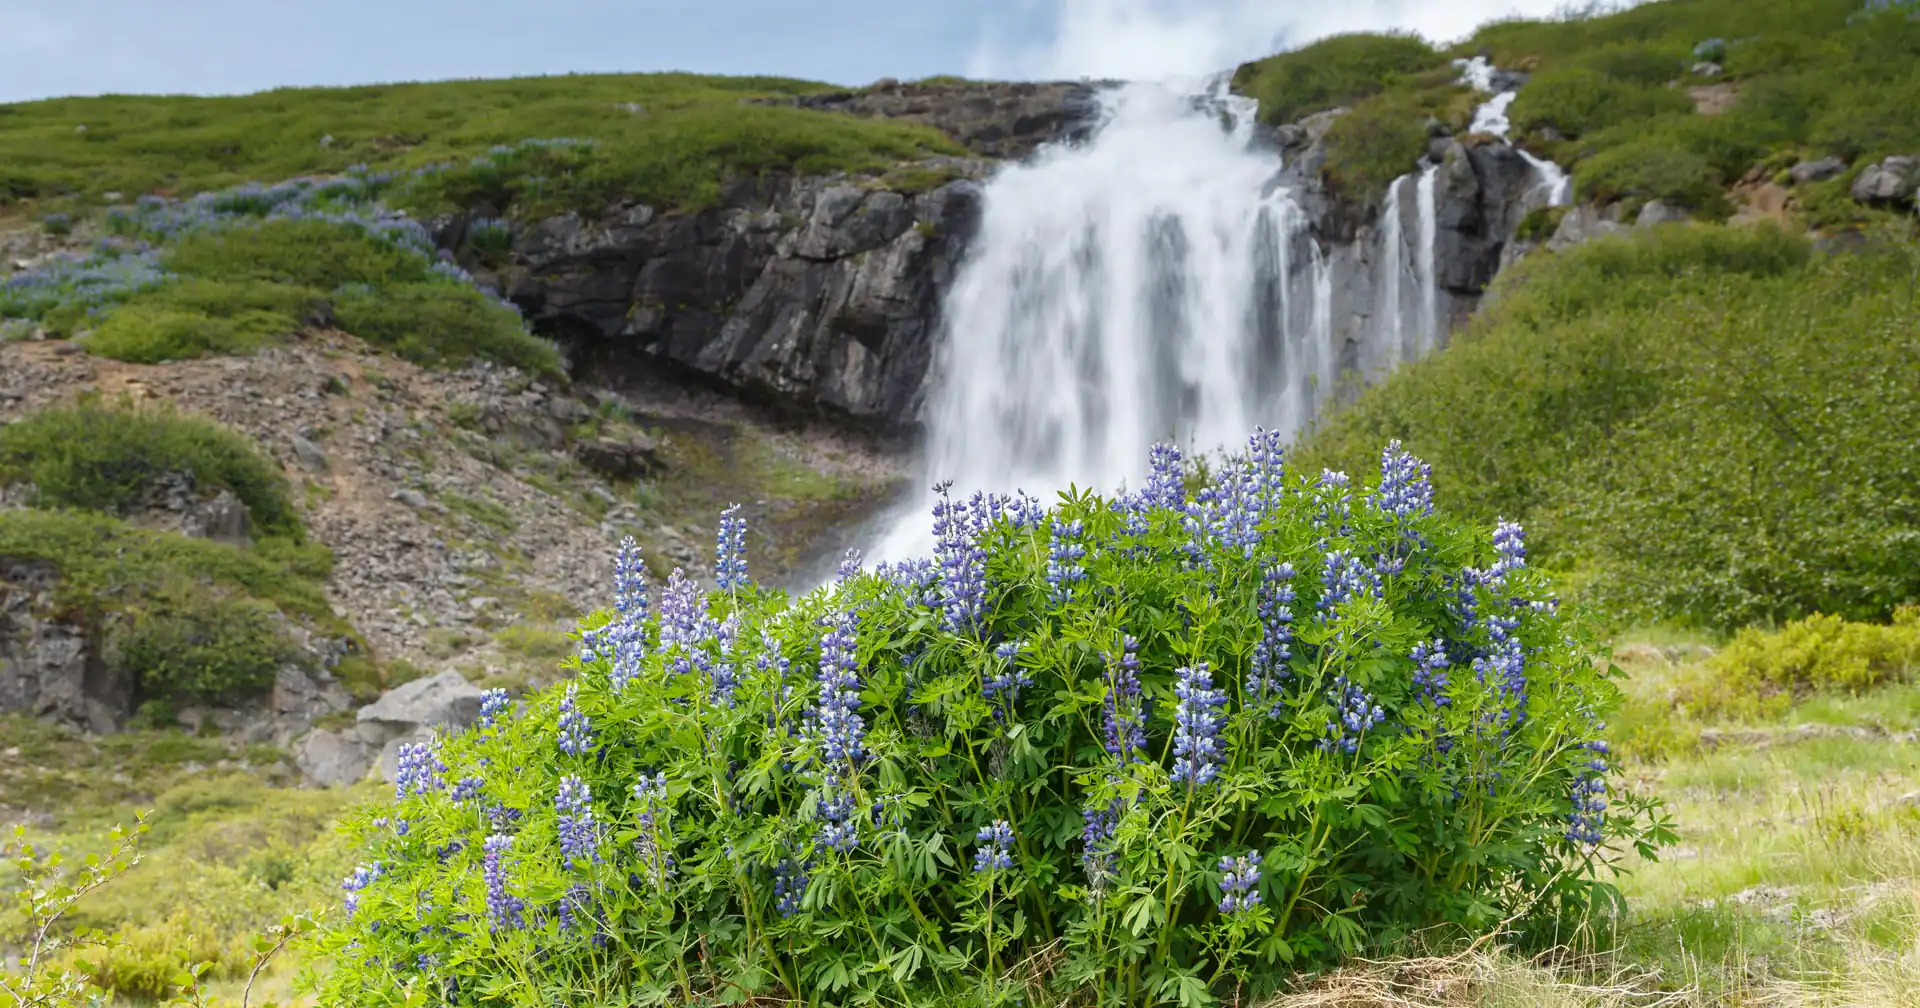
<point x="1704" y="425"/>
<point x="312" y="254"/>
<point x="1634" y="64"/>
<point x="1824" y="652"/>
<point x="1579" y="100"/>
<point x="185" y="643"/>
<point x="1381" y="139"/>
<point x="103" y="458"/>
<point x="443" y="324"/>
<point x="688" y="134"/>
<point x="789" y="798"/>
<point x="1335" y="71"/>
<point x="148" y="334"/>
<point x="1648" y="171"/>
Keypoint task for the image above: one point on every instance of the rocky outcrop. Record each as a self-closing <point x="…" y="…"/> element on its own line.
<point x="49" y="667"/>
<point x="1892" y="180"/>
<point x="411" y="712"/>
<point x="992" y="118"/>
<point x="818" y="293"/>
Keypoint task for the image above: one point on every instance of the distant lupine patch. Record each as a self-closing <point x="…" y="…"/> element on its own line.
<point x="1246" y="698"/>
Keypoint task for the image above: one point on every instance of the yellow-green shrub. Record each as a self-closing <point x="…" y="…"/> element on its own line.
<point x="1824" y="652"/>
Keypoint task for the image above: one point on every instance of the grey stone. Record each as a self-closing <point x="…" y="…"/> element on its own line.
<point x="1658" y="212"/>
<point x="446" y="700"/>
<point x="1817" y="171"/>
<point x="619" y="457"/>
<point x="173" y="502"/>
<point x="49" y="668"/>
<point x="1583" y="223"/>
<point x="413" y="499"/>
<point x="1705" y="69"/>
<point x="1890" y="181"/>
<point x="335" y="758"/>
<point x="309" y="455"/>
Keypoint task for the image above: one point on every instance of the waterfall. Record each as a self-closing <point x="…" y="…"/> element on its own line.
<point x="1491" y="118"/>
<point x="1425" y="266"/>
<point x="1156" y="282"/>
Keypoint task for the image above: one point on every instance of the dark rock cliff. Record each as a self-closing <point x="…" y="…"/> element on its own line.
<point x="822" y="295"/>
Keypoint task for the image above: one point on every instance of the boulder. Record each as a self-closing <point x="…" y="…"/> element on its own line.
<point x="335" y="758"/>
<point x="173" y="503"/>
<point x="1659" y="212"/>
<point x="446" y="700"/>
<point x="1583" y="223"/>
<point x="1817" y="171"/>
<point x="50" y="668"/>
<point x="626" y="457"/>
<point x="1890" y="181"/>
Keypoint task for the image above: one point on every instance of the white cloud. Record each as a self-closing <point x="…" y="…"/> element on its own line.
<point x="1161" y="39"/>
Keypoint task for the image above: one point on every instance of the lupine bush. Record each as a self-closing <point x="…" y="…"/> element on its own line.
<point x="1152" y="748"/>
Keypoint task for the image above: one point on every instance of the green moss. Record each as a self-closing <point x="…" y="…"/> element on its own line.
<point x="443" y="324"/>
<point x="102" y="458"/>
<point x="1650" y="170"/>
<point x="318" y="255"/>
<point x="1335" y="71"/>
<point x="1381" y="139"/>
<point x="690" y="133"/>
<point x="1580" y="100"/>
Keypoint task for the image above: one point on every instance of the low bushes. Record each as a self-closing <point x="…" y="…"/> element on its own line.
<point x="1704" y="424"/>
<point x="442" y="324"/>
<point x="1334" y="71"/>
<point x="101" y="458"/>
<point x="1157" y="748"/>
<point x="1580" y="100"/>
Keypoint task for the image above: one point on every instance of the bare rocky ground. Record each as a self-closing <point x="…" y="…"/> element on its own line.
<point x="473" y="514"/>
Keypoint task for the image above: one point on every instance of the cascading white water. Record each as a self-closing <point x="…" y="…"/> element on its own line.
<point x="1491" y="118"/>
<point x="1155" y="283"/>
<point x="1426" y="270"/>
<point x="1152" y="284"/>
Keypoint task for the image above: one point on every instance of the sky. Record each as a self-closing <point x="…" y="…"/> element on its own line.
<point x="76" y="47"/>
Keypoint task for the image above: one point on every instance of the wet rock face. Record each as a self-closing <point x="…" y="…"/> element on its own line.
<point x="817" y="293"/>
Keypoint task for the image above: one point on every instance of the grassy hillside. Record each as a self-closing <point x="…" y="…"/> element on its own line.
<point x="1612" y="97"/>
<point x="1701" y="423"/>
<point x="666" y="139"/>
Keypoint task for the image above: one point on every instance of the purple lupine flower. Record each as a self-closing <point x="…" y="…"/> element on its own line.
<point x="1345" y="577"/>
<point x="505" y="911"/>
<point x="1238" y="887"/>
<point x="501" y="816"/>
<point x="1096" y="839"/>
<point x="1005" y="683"/>
<point x="1406" y="484"/>
<point x="842" y="731"/>
<point x="1510" y="544"/>
<point x="839" y="829"/>
<point x="361" y="878"/>
<point x="1267" y="456"/>
<point x="1166" y="482"/>
<point x="1268" y="670"/>
<point x="962" y="560"/>
<point x="995" y="852"/>
<point x="576" y="736"/>
<point x="650" y="794"/>
<point x="1354" y="713"/>
<point x="575" y="908"/>
<point x="493" y="703"/>
<point x="723" y="675"/>
<point x="1125" y="719"/>
<point x="579" y="834"/>
<point x="1064" y="553"/>
<point x="630" y="581"/>
<point x="789" y="887"/>
<point x="683" y="613"/>
<point x="1589" y="793"/>
<point x="1025" y="511"/>
<point x="1336" y="503"/>
<point x="417" y="768"/>
<point x="467" y="789"/>
<point x="1505" y="667"/>
<point x="730" y="552"/>
<point x="849" y="566"/>
<point x="1196" y="726"/>
<point x="1430" y="672"/>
